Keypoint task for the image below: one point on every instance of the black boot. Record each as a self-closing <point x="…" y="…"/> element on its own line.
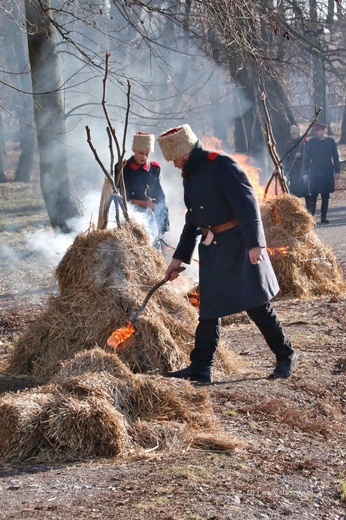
<point x="284" y="367"/>
<point x="193" y="373"/>
<point x="269" y="324"/>
<point x="311" y="204"/>
<point x="206" y="341"/>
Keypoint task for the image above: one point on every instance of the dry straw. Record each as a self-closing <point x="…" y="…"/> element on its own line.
<point x="108" y="413"/>
<point x="101" y="403"/>
<point x="103" y="278"/>
<point x="97" y="401"/>
<point x="305" y="266"/>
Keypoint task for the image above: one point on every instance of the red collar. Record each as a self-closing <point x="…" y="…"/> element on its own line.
<point x="132" y="163"/>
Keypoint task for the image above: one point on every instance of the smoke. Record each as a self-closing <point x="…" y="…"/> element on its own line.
<point x="177" y="84"/>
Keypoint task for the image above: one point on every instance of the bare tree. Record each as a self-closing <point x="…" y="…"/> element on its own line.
<point x="259" y="46"/>
<point x="56" y="185"/>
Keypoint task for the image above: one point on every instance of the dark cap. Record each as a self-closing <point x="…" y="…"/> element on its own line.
<point x="320" y="126"/>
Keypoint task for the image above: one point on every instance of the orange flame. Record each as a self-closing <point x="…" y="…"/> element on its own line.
<point x="194" y="298"/>
<point x="278" y="250"/>
<point x="213" y="143"/>
<point x="119" y="335"/>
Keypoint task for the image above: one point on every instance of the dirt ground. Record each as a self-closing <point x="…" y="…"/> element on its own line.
<point x="292" y="463"/>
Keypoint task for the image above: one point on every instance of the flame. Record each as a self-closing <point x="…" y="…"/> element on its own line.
<point x="213" y="143"/>
<point x="119" y="335"/>
<point x="278" y="250"/>
<point x="194" y="298"/>
<point x="251" y="171"/>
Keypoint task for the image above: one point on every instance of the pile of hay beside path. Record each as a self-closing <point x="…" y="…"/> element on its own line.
<point x="88" y="412"/>
<point x="98" y="402"/>
<point x="304" y="265"/>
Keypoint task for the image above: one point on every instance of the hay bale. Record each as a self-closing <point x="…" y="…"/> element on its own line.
<point x="20" y="421"/>
<point x="99" y="414"/>
<point x="161" y="399"/>
<point x="305" y="266"/>
<point x="95" y="360"/>
<point x="103" y="278"/>
<point x="81" y="428"/>
<point x="162" y="435"/>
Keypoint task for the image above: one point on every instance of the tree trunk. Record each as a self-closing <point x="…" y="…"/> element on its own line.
<point x="343" y="128"/>
<point x="248" y="136"/>
<point x="3" y="177"/>
<point x="27" y="137"/>
<point x="22" y="106"/>
<point x="56" y="185"/>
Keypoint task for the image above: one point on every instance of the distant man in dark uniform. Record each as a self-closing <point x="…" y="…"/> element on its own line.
<point x="322" y="164"/>
<point x="235" y="272"/>
<point x="143" y="187"/>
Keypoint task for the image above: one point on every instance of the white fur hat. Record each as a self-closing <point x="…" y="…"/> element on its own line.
<point x="177" y="142"/>
<point x="143" y="142"/>
<point x="295" y="130"/>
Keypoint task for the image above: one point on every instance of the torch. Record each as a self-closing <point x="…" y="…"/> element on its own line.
<point x="119" y="335"/>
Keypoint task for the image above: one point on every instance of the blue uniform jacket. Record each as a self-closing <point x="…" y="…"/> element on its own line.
<point x="217" y="190"/>
<point x="144" y="183"/>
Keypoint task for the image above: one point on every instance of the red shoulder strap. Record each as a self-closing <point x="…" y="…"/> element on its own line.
<point x="212" y="155"/>
<point x="155" y="163"/>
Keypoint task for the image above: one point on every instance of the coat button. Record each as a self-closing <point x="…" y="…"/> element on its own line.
<point x="201" y="207"/>
<point x="190" y="209"/>
<point x="214" y="242"/>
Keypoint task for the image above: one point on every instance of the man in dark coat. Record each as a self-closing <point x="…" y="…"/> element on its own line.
<point x="294" y="164"/>
<point x="322" y="164"/>
<point x="142" y="179"/>
<point x="235" y="272"/>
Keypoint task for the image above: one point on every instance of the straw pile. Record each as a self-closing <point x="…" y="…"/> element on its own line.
<point x="103" y="278"/>
<point x="98" y="408"/>
<point x="305" y="266"/>
<point x="99" y="402"/>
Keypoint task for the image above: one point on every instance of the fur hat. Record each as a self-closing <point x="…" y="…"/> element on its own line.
<point x="320" y="126"/>
<point x="143" y="142"/>
<point x="295" y="130"/>
<point x="177" y="142"/>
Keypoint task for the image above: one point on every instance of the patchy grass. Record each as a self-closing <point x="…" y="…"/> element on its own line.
<point x="21" y="206"/>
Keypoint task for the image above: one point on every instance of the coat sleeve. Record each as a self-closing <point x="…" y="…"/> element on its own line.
<point x="336" y="158"/>
<point x="242" y="198"/>
<point x="187" y="243"/>
<point x="161" y="211"/>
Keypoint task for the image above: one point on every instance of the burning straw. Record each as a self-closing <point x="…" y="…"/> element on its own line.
<point x="305" y="266"/>
<point x="103" y="278"/>
<point x="100" y="401"/>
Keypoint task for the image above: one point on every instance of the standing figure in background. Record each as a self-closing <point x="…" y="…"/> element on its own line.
<point x="142" y="179"/>
<point x="294" y="165"/>
<point x="235" y="272"/>
<point x="322" y="164"/>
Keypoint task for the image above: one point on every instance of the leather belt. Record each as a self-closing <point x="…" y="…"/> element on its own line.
<point x="221" y="227"/>
<point x="143" y="203"/>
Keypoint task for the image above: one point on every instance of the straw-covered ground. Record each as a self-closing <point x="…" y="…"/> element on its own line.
<point x="89" y="432"/>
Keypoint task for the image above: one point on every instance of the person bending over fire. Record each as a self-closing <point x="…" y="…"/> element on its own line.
<point x="235" y="273"/>
<point x="143" y="187"/>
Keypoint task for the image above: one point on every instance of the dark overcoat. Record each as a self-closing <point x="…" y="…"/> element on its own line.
<point x="144" y="183"/>
<point x="217" y="190"/>
<point x="294" y="168"/>
<point x="322" y="161"/>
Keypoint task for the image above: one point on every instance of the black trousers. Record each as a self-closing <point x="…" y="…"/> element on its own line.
<point x="207" y="336"/>
<point x="312" y="201"/>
